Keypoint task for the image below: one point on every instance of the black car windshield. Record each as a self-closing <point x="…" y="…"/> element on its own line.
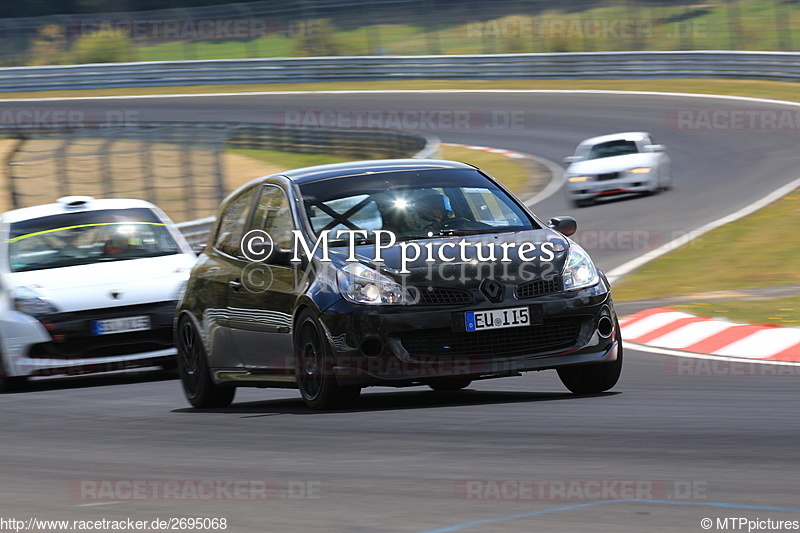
<point x="81" y="238"/>
<point x="609" y="149"/>
<point x="412" y="205"/>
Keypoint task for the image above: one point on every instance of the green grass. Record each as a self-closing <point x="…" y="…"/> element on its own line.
<point x="672" y="27"/>
<point x="703" y="26"/>
<point x="778" y="312"/>
<point x="271" y="46"/>
<point x="511" y="172"/>
<point x="759" y="250"/>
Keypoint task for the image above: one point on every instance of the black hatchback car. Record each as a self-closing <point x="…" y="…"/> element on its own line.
<point x="390" y="273"/>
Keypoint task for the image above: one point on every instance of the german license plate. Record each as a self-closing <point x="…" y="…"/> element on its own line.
<point x="120" y="325"/>
<point x="497" y="318"/>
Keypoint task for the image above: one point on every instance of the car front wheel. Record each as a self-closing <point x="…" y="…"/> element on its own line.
<point x="314" y="367"/>
<point x="11" y="383"/>
<point x="194" y="372"/>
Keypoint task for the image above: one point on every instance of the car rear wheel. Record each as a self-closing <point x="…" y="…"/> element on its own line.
<point x="592" y="379"/>
<point x="314" y="368"/>
<point x="194" y="372"/>
<point x="449" y="384"/>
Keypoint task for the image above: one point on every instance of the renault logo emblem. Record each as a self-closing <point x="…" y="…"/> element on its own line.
<point x="494" y="290"/>
<point x="116" y="295"/>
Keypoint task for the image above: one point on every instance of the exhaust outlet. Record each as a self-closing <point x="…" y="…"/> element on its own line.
<point x="605" y="327"/>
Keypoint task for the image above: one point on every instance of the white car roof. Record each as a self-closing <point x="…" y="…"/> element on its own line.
<point x="73" y="204"/>
<point x="628" y="135"/>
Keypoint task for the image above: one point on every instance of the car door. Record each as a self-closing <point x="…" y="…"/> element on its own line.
<point x="219" y="269"/>
<point x="262" y="304"/>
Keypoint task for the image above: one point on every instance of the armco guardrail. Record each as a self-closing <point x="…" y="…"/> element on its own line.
<point x="356" y="144"/>
<point x="584" y="65"/>
<point x="197" y="231"/>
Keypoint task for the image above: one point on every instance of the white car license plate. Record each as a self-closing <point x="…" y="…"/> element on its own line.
<point x="120" y="325"/>
<point x="497" y="318"/>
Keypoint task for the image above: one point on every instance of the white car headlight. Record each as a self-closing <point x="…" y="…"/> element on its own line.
<point x="28" y="301"/>
<point x="578" y="178"/>
<point x="579" y="271"/>
<point x="639" y="170"/>
<point x="363" y="285"/>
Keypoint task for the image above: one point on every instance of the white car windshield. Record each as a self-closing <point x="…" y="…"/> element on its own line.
<point x="608" y="149"/>
<point x="87" y="237"/>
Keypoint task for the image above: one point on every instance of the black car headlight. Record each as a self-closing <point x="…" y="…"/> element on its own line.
<point x="579" y="271"/>
<point x="363" y="285"/>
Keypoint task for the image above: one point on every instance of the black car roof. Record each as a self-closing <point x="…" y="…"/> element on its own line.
<point x="309" y="174"/>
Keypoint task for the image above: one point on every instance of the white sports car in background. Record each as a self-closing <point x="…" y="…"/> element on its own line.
<point x="616" y="164"/>
<point x="88" y="285"/>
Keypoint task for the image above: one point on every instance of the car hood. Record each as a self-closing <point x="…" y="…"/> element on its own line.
<point x="111" y="284"/>
<point x="471" y="271"/>
<point x="611" y="164"/>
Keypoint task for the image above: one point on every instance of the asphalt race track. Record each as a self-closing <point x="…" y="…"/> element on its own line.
<point x="679" y="440"/>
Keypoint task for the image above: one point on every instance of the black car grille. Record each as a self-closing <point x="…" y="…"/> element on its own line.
<point x="72" y="332"/>
<point x="608" y="176"/>
<point x="440" y="296"/>
<point x="538" y="287"/>
<point x="553" y="334"/>
<point x="105" y="345"/>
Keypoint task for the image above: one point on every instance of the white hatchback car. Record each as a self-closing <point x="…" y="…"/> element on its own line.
<point x="616" y="164"/>
<point x="88" y="285"/>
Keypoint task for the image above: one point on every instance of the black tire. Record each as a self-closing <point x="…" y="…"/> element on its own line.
<point x="592" y="379"/>
<point x="194" y="372"/>
<point x="313" y="367"/>
<point x="11" y="383"/>
<point x="449" y="384"/>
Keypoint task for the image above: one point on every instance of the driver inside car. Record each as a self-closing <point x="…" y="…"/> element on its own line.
<point x="422" y="214"/>
<point x="433" y="207"/>
<point x="428" y="212"/>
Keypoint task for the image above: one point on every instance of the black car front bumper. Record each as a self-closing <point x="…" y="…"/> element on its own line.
<point x="403" y="345"/>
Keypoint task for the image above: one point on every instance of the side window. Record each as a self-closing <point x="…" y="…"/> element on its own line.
<point x="233" y="222"/>
<point x="485" y="206"/>
<point x="273" y="215"/>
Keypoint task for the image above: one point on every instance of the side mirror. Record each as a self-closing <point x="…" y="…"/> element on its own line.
<point x="572" y="159"/>
<point x="269" y="253"/>
<point x="564" y="225"/>
<point x="655" y="148"/>
<point x="280" y="257"/>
